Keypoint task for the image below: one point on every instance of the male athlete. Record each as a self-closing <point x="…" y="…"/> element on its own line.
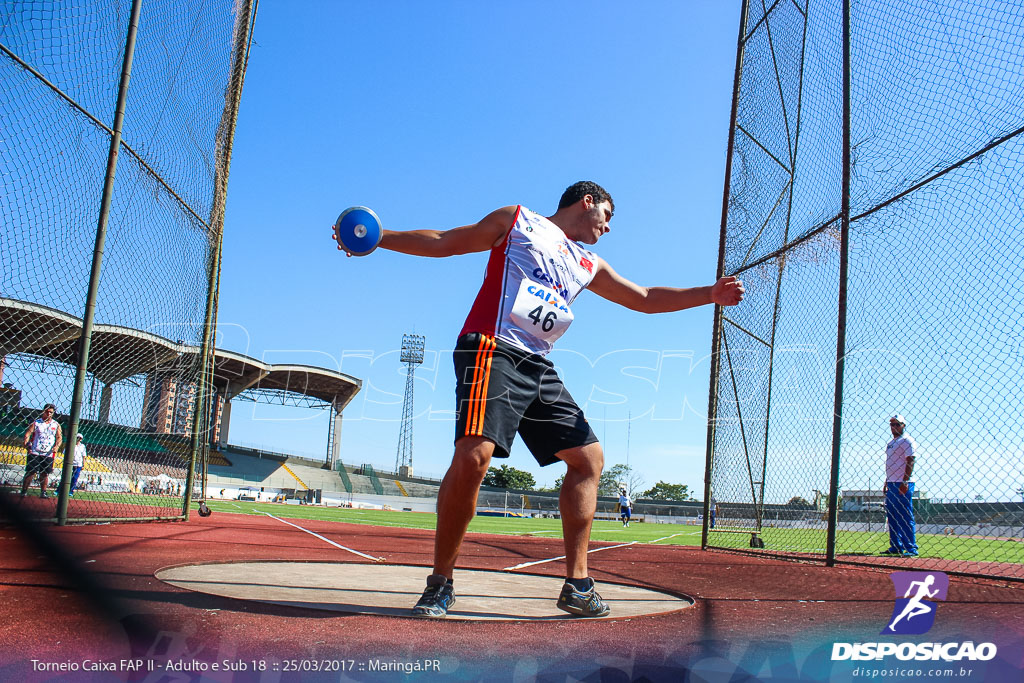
<point x="505" y="385"/>
<point x="42" y="441"/>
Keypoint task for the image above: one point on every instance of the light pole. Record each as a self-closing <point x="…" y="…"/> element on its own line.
<point x="412" y="355"/>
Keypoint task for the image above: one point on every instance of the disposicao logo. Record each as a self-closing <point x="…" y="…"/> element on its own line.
<point x="914" y="614"/>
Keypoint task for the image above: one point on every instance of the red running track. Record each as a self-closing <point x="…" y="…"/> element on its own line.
<point x="752" y="614"/>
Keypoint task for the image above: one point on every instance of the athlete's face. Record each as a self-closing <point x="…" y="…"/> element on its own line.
<point x="596" y="217"/>
<point x="47" y="414"/>
<point x="896" y="427"/>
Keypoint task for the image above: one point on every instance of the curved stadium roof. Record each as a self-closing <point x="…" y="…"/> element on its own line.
<point x="117" y="352"/>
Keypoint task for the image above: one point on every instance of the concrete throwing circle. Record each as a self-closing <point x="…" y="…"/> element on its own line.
<point x="392" y="590"/>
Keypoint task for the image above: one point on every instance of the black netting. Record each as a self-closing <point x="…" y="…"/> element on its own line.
<point x="60" y="70"/>
<point x="934" y="316"/>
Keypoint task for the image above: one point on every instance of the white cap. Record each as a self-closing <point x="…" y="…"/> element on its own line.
<point x="79" y="436"/>
<point x="898" y="418"/>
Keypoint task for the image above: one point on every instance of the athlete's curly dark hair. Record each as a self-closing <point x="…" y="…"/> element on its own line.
<point x="577" y="191"/>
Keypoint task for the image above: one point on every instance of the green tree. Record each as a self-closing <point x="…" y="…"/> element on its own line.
<point x="798" y="502"/>
<point x="553" y="489"/>
<point x="665" y="491"/>
<point x="615" y="475"/>
<point x="507" y="477"/>
<point x="611" y="478"/>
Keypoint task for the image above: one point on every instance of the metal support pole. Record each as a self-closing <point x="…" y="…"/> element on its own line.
<point x="243" y="30"/>
<point x="330" y="433"/>
<point x="716" y="334"/>
<point x="85" y="340"/>
<point x="844" y="268"/>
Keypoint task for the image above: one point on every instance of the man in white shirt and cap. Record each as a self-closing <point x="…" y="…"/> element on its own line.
<point x="78" y="463"/>
<point x="899" y="490"/>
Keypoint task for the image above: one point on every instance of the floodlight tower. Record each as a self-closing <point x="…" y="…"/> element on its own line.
<point x="412" y="355"/>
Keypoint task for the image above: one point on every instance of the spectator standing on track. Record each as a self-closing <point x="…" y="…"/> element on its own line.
<point x="78" y="463"/>
<point x="625" y="506"/>
<point x="42" y="441"/>
<point x="505" y="385"/>
<point x="899" y="490"/>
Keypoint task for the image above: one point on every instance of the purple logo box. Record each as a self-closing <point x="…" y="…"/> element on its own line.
<point x="916" y="593"/>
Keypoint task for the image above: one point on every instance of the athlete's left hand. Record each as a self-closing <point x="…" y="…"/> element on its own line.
<point x="728" y="291"/>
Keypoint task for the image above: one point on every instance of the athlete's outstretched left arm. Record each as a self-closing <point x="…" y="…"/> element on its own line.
<point x="728" y="291"/>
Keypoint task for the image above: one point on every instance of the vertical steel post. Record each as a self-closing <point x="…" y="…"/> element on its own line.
<point x="85" y="340"/>
<point x="243" y="29"/>
<point x="844" y="262"/>
<point x="716" y="333"/>
<point x="330" y="433"/>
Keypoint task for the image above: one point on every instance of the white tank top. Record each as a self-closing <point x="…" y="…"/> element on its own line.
<point x="44" y="438"/>
<point x="531" y="280"/>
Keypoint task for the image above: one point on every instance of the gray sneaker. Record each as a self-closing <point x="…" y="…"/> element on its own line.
<point x="582" y="603"/>
<point x="436" y="600"/>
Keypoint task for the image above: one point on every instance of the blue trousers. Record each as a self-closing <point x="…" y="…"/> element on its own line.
<point x="899" y="511"/>
<point x="75" y="471"/>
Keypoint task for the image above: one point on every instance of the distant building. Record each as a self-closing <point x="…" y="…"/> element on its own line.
<point x="871" y="499"/>
<point x="168" y="407"/>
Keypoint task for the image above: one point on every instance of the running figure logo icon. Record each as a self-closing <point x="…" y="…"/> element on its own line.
<point x="914" y="612"/>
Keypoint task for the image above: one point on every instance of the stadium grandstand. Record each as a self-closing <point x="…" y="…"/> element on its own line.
<point x="145" y="447"/>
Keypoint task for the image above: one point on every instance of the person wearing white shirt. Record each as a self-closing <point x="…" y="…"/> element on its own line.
<point x="625" y="507"/>
<point x="78" y="463"/>
<point x="899" y="490"/>
<point x="42" y="442"/>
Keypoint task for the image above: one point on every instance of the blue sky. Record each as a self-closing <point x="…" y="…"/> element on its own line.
<point x="434" y="114"/>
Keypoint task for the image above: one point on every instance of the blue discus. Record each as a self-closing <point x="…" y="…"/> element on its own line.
<point x="358" y="230"/>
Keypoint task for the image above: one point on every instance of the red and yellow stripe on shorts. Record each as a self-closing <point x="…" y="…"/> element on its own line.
<point x="478" y="390"/>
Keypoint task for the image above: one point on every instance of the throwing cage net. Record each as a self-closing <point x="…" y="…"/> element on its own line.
<point x="117" y="127"/>
<point x="873" y="210"/>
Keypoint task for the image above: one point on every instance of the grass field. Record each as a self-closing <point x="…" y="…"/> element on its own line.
<point x="871" y="543"/>
<point x="513" y="526"/>
<point x="867" y="544"/>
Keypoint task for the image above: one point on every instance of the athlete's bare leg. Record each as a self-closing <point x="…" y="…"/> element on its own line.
<point x="578" y="502"/>
<point x="456" y="500"/>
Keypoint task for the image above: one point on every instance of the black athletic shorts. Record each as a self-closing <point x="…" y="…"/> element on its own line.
<point x="38" y="464"/>
<point x="501" y="390"/>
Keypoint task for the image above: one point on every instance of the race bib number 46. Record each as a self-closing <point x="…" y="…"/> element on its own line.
<point x="539" y="311"/>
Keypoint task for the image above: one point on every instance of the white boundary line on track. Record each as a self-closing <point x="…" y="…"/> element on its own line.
<point x="608" y="547"/>
<point x="562" y="557"/>
<point x="327" y="540"/>
<point x="668" y="537"/>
